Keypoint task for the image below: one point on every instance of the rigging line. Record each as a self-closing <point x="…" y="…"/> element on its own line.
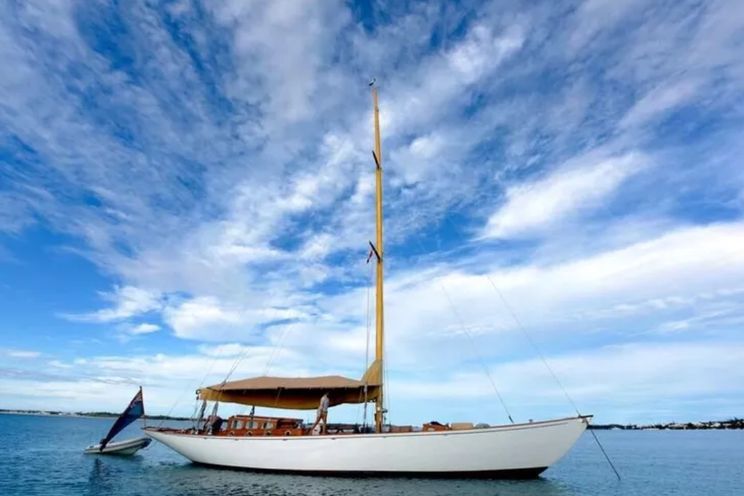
<point x="550" y="369"/>
<point x="366" y="350"/>
<point x="269" y="362"/>
<point x="472" y="342"/>
<point x="173" y="406"/>
<point x="230" y="372"/>
<point x="612" y="465"/>
<point x="387" y="400"/>
<point x="475" y="352"/>
<point x="537" y="350"/>
<point x="277" y="347"/>
<point x="183" y="393"/>
<point x="234" y="367"/>
<point x="368" y="322"/>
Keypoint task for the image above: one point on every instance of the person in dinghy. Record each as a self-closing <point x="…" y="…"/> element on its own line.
<point x="132" y="412"/>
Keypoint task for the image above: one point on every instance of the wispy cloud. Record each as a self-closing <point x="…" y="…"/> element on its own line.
<point x="542" y="205"/>
<point x="144" y="328"/>
<point x="659" y="100"/>
<point x="127" y="301"/>
<point x="637" y="383"/>
<point x="14" y="353"/>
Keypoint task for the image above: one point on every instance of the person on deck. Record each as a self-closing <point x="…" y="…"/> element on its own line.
<point x="322" y="414"/>
<point x="214" y="424"/>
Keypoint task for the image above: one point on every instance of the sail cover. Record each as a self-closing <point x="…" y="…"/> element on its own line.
<point x="294" y="393"/>
<point x="135" y="410"/>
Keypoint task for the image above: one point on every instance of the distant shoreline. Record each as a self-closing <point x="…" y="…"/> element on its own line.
<point x="731" y="424"/>
<point x="42" y="413"/>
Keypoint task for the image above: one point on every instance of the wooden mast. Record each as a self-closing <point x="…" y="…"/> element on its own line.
<point x="379" y="252"/>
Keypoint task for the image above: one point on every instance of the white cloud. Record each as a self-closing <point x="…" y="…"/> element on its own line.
<point x="614" y="295"/>
<point x="144" y="328"/>
<point x="14" y="213"/>
<point x="659" y="100"/>
<point x="419" y="160"/>
<point x="208" y="318"/>
<point x="169" y="380"/>
<point x="642" y="382"/>
<point x="60" y="364"/>
<point x="482" y="51"/>
<point x="596" y="16"/>
<point x="13" y="353"/>
<point x="534" y="207"/>
<point x="637" y="287"/>
<point x="200" y="312"/>
<point x="443" y="79"/>
<point x="225" y="350"/>
<point x="633" y="382"/>
<point x="625" y="290"/>
<point x="128" y="301"/>
<point x="284" y="85"/>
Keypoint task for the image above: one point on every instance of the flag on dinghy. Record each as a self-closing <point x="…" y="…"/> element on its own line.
<point x="135" y="410"/>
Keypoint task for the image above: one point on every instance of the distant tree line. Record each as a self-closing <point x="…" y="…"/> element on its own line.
<point x="734" y="423"/>
<point x="56" y="413"/>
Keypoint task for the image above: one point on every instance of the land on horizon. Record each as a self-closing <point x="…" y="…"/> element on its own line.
<point x="734" y="423"/>
<point x="730" y="424"/>
<point x="59" y="413"/>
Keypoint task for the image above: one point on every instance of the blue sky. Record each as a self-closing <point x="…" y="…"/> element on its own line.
<point x="183" y="184"/>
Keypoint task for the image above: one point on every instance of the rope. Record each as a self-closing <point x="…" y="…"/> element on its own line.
<point x="536" y="349"/>
<point x="230" y="372"/>
<point x="539" y="353"/>
<point x="475" y="352"/>
<point x="604" y="453"/>
<point x="366" y="350"/>
<point x="387" y="400"/>
<point x="183" y="392"/>
<point x="278" y="346"/>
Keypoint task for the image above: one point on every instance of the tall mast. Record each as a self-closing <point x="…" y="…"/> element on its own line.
<point x="379" y="305"/>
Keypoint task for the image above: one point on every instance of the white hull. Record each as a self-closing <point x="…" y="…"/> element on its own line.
<point x="520" y="450"/>
<point x="124" y="448"/>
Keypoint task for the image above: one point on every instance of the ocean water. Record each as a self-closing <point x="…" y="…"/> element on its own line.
<point x="43" y="456"/>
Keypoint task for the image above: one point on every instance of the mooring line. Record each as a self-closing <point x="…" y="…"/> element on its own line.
<point x="607" y="457"/>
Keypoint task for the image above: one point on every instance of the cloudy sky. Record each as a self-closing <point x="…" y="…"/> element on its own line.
<point x="185" y="185"/>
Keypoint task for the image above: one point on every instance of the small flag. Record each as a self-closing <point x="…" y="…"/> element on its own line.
<point x="135" y="410"/>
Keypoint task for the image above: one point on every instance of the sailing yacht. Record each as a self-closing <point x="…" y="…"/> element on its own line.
<point x="283" y="444"/>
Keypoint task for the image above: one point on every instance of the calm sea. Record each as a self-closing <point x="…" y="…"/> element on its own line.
<point x="43" y="455"/>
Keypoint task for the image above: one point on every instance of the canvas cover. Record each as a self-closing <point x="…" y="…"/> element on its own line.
<point x="293" y="393"/>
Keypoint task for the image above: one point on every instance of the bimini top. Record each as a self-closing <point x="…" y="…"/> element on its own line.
<point x="295" y="393"/>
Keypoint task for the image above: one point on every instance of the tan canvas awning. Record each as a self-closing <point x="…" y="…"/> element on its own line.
<point x="295" y="393"/>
